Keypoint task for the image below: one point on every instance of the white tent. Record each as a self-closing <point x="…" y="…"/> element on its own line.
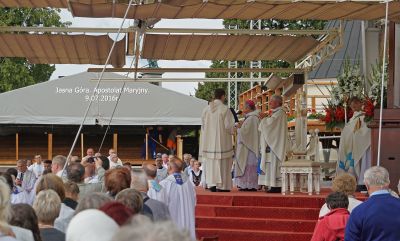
<point x="64" y="102"/>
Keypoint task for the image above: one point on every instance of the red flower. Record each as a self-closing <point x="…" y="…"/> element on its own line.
<point x="328" y="116"/>
<point x="369" y="107"/>
<point x="339" y="114"/>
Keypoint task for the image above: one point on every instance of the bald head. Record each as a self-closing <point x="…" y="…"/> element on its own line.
<point x="150" y="170"/>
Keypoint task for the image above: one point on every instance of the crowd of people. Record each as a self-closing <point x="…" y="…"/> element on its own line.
<point x="343" y="217"/>
<point x="102" y="198"/>
<point x="99" y="198"/>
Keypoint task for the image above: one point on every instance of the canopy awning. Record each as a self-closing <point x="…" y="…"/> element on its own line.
<point x="62" y="49"/>
<point x="223" y="9"/>
<point x="226" y="47"/>
<point x="240" y="9"/>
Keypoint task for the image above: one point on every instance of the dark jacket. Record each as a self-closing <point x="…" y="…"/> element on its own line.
<point x="376" y="219"/>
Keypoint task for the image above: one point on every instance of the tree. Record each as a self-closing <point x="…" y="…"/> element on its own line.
<point x="18" y="72"/>
<point x="205" y="90"/>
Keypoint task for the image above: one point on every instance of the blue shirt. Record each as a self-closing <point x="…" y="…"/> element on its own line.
<point x="377" y="219"/>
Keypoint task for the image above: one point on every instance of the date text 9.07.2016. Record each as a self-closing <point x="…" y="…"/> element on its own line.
<point x="101" y="98"/>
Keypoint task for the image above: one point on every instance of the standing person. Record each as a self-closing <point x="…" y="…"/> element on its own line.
<point x="57" y="165"/>
<point x="195" y="174"/>
<point x="165" y="160"/>
<point x="155" y="191"/>
<point x="378" y="218"/>
<point x="171" y="141"/>
<point x="162" y="171"/>
<point x="181" y="197"/>
<point x="355" y="145"/>
<point x="46" y="167"/>
<point x="90" y="152"/>
<point x="115" y="161"/>
<point x="248" y="149"/>
<point x="26" y="181"/>
<point x="47" y="206"/>
<point x="274" y="133"/>
<point x="37" y="167"/>
<point x="217" y="146"/>
<point x="331" y="227"/>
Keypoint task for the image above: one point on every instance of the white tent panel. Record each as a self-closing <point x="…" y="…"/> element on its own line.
<point x="64" y="102"/>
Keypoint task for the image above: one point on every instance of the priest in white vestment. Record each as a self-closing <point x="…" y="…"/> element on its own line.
<point x="216" y="144"/>
<point x="273" y="143"/>
<point x="248" y="149"/>
<point x="355" y="145"/>
<point x="180" y="197"/>
<point x="155" y="191"/>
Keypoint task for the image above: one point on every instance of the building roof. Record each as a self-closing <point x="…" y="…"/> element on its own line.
<point x="64" y="102"/>
<point x="351" y="49"/>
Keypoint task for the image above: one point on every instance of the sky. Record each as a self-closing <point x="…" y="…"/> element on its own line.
<point x="187" y="88"/>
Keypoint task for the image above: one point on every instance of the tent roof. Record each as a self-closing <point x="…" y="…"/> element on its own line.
<point x="62" y="49"/>
<point x="223" y="9"/>
<point x="226" y="47"/>
<point x="64" y="102"/>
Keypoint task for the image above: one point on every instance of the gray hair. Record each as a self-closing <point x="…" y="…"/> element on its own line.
<point x="145" y="230"/>
<point x="278" y="98"/>
<point x="139" y="181"/>
<point x="92" y="201"/>
<point x="22" y="161"/>
<point x="60" y="160"/>
<point x="47" y="206"/>
<point x="131" y="198"/>
<point x="376" y="176"/>
<point x="5" y="202"/>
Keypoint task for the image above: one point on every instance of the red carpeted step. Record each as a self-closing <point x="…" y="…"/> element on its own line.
<point x="258" y="212"/>
<point x="256" y="224"/>
<point x="251" y="235"/>
<point x="262" y="199"/>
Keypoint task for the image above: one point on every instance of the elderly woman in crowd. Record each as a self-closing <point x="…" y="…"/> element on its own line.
<point x="92" y="201"/>
<point x="6" y="233"/>
<point x="47" y="206"/>
<point x="91" y="225"/>
<point x="23" y="216"/>
<point x="117" y="180"/>
<point x="55" y="183"/>
<point x="346" y="184"/>
<point x="141" y="228"/>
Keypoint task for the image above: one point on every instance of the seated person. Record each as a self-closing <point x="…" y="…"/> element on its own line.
<point x="331" y="227"/>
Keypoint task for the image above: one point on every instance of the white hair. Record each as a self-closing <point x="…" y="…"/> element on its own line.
<point x="376" y="176"/>
<point x="60" y="160"/>
<point x="5" y="202"/>
<point x="139" y="181"/>
<point x="145" y="230"/>
<point x="277" y="98"/>
<point x="47" y="206"/>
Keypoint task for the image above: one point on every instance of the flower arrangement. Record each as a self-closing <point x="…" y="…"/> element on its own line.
<point x="350" y="83"/>
<point x="335" y="115"/>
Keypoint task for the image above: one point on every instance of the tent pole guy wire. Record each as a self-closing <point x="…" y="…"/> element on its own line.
<point x="97" y="85"/>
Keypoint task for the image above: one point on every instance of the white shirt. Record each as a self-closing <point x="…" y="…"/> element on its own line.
<point x="59" y="173"/>
<point x="352" y="204"/>
<point x="37" y="169"/>
<point x="114" y="165"/>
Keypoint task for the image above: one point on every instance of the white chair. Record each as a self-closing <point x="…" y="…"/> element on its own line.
<point x="303" y="167"/>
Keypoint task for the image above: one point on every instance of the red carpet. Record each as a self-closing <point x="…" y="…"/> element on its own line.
<point x="257" y="216"/>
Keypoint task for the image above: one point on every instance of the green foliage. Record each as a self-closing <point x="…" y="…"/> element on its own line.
<point x="205" y="90"/>
<point x="18" y="72"/>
